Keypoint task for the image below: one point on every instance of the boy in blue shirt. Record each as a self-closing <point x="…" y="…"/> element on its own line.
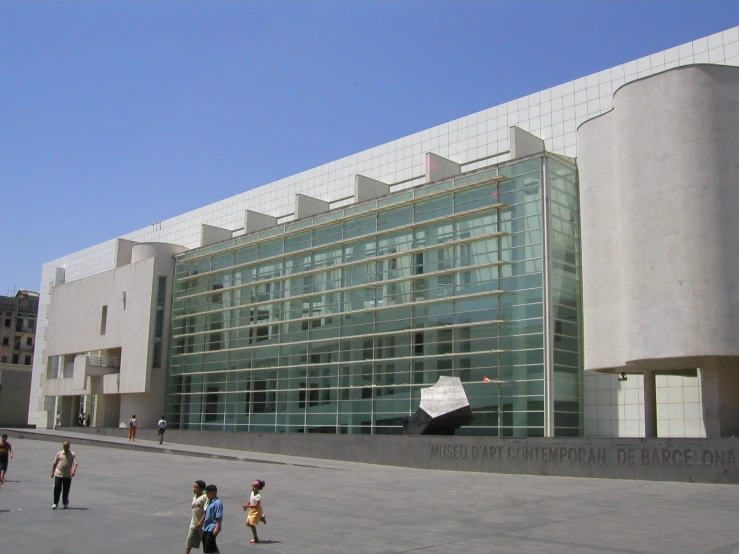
<point x="211" y="520"/>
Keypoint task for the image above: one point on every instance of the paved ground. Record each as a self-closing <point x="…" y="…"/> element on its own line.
<point x="137" y="501"/>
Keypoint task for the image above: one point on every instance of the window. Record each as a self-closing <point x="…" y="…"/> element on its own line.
<point x="27" y="360"/>
<point x="103" y="320"/>
<point x="161" y="290"/>
<point x="314" y="395"/>
<point x="418" y="345"/>
<point x="29" y="341"/>
<point x="301" y="395"/>
<point x="159" y="322"/>
<point x="214" y="341"/>
<point x="3" y="360"/>
<point x="216" y="297"/>
<point x="7" y="322"/>
<point x="211" y="404"/>
<point x="15" y="358"/>
<point x="6" y="341"/>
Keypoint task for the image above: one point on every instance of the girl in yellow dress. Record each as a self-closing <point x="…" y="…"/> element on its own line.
<point x="255" y="509"/>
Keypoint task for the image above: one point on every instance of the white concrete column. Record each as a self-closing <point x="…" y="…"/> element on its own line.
<point x="210" y="234"/>
<point x="307" y="206"/>
<point x="256" y="221"/>
<point x="650" y="404"/>
<point x="719" y="391"/>
<point x="524" y="143"/>
<point x="440" y="168"/>
<point x="366" y="188"/>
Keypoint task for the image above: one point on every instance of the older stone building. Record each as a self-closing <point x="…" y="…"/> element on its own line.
<point x="17" y="343"/>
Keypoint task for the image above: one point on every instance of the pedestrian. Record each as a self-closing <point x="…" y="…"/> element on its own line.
<point x="87" y="420"/>
<point x="195" y="534"/>
<point x="132" y="428"/>
<point x="6" y="454"/>
<point x="211" y="520"/>
<point x="64" y="468"/>
<point x="161" y="426"/>
<point x="256" y="513"/>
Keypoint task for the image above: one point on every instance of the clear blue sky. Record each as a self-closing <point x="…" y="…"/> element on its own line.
<point x="114" y="115"/>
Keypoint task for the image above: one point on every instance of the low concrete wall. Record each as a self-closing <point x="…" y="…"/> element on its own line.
<point x="689" y="460"/>
<point x="15" y="389"/>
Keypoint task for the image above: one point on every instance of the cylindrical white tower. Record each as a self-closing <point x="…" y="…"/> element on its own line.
<point x="659" y="179"/>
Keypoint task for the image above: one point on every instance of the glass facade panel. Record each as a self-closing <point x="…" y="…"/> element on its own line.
<point x="335" y="324"/>
<point x="566" y="293"/>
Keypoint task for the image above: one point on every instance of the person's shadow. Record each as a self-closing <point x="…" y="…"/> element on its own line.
<point x="75" y="508"/>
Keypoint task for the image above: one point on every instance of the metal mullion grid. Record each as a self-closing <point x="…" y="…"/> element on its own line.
<point x="284" y="225"/>
<point x="308" y="365"/>
<point x="547" y="315"/>
<point x="374" y="370"/>
<point x="343" y="266"/>
<point x="306" y="388"/>
<point x="499" y="377"/>
<point x="339" y="363"/>
<point x="371" y="284"/>
<point x="375" y="234"/>
<point x="306" y="398"/>
<point x="338" y="384"/>
<point x="376" y="210"/>
<point x="413" y="225"/>
<point x="343" y="313"/>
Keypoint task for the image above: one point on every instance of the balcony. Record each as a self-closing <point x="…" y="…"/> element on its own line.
<point x="103" y="361"/>
<point x="90" y="375"/>
<point x="60" y="387"/>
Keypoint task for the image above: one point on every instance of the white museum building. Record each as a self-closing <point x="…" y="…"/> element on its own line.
<point x="571" y="255"/>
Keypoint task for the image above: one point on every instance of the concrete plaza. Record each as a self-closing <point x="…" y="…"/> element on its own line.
<point x="135" y="498"/>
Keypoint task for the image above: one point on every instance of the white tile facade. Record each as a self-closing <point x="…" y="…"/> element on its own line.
<point x="611" y="408"/>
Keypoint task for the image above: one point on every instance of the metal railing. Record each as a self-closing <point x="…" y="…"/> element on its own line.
<point x="103" y="361"/>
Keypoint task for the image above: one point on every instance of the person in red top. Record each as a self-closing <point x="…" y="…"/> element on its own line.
<point x="6" y="454"/>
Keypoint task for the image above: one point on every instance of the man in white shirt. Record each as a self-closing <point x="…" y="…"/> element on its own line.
<point x="161" y="426"/>
<point x="64" y="468"/>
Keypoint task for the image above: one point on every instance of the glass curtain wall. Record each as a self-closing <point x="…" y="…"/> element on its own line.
<point x="335" y="323"/>
<point x="566" y="288"/>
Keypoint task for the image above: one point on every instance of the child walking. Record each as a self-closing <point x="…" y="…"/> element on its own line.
<point x="256" y="514"/>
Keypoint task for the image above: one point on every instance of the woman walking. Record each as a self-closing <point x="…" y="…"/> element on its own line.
<point x="132" y="428"/>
